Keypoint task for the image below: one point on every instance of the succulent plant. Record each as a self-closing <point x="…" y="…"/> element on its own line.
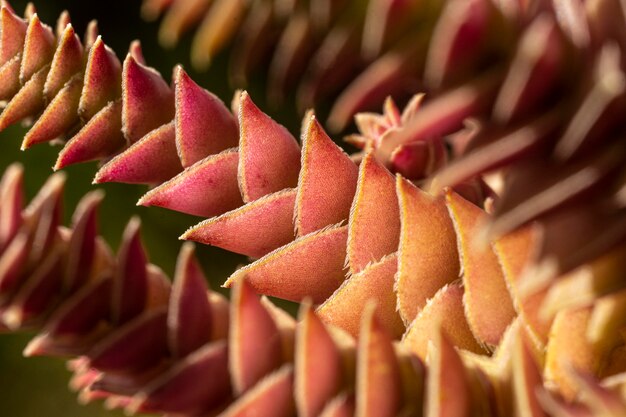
<point x="468" y="258"/>
<point x="318" y="46"/>
<point x="144" y="345"/>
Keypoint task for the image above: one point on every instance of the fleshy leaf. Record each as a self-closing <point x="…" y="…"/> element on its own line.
<point x="38" y="48"/>
<point x="99" y="138"/>
<point x="269" y="157"/>
<point x="458" y="40"/>
<point x="327" y="181"/>
<point x="103" y="74"/>
<point x="340" y="406"/>
<point x="190" y="318"/>
<point x="427" y="255"/>
<point x="78" y="317"/>
<point x="343" y="309"/>
<point x="448" y="387"/>
<point x="178" y="19"/>
<point x="137" y="346"/>
<point x="318" y="364"/>
<point x="377" y="367"/>
<point x="27" y="102"/>
<point x="148" y="102"/>
<point x="526" y="379"/>
<point x="374" y="227"/>
<point x="254" y="348"/>
<point x="130" y="285"/>
<point x="38" y="294"/>
<point x="272" y="396"/>
<point x="567" y="348"/>
<point x="215" y="30"/>
<point x="487" y="301"/>
<point x="151" y="160"/>
<point x="187" y="192"/>
<point x="67" y="61"/>
<point x="12" y="197"/>
<point x="10" y="77"/>
<point x="254" y="229"/>
<point x="12" y="34"/>
<point x="293" y="49"/>
<point x="444" y="311"/>
<point x="82" y="245"/>
<point x="514" y="251"/>
<point x="288" y="271"/>
<point x="534" y="71"/>
<point x="58" y="117"/>
<point x="196" y="109"/>
<point x="178" y="391"/>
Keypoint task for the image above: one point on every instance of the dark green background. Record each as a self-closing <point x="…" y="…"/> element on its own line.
<point x="38" y="386"/>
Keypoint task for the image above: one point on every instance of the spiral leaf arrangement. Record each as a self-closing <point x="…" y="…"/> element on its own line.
<point x="532" y="327"/>
<point x="145" y="345"/>
<point x="584" y="188"/>
<point x="320" y="46"/>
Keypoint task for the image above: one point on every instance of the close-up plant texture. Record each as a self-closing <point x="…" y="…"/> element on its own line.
<point x="412" y="207"/>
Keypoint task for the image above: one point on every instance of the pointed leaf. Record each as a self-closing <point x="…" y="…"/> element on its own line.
<point x="148" y="102"/>
<point x="38" y="293"/>
<point x="12" y="262"/>
<point x="204" y="125"/>
<point x="27" y="102"/>
<point x="12" y="197"/>
<point x="291" y="54"/>
<point x="178" y="19"/>
<point x="138" y="345"/>
<point x="448" y="388"/>
<point x="151" y="160"/>
<point x="377" y="367"/>
<point x="526" y="380"/>
<point x="179" y="391"/>
<point x="190" y="318"/>
<point x="130" y="285"/>
<point x="488" y="305"/>
<point x="216" y="29"/>
<point x="374" y="227"/>
<point x="102" y="79"/>
<point x="443" y="311"/>
<point x="326" y="171"/>
<point x="340" y="406"/>
<point x="427" y="255"/>
<point x="67" y="61"/>
<point x="10" y="77"/>
<point x="514" y="251"/>
<point x="78" y="316"/>
<point x="59" y="117"/>
<point x="254" y="229"/>
<point x="269" y="157"/>
<point x="207" y="188"/>
<point x="272" y="396"/>
<point x="39" y="48"/>
<point x="568" y="347"/>
<point x="311" y="266"/>
<point x="254" y="341"/>
<point x="318" y="363"/>
<point x="12" y="34"/>
<point x="376" y="282"/>
<point x="82" y="246"/>
<point x="99" y="138"/>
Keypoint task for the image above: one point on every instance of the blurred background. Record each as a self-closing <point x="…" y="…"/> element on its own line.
<point x="37" y="387"/>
